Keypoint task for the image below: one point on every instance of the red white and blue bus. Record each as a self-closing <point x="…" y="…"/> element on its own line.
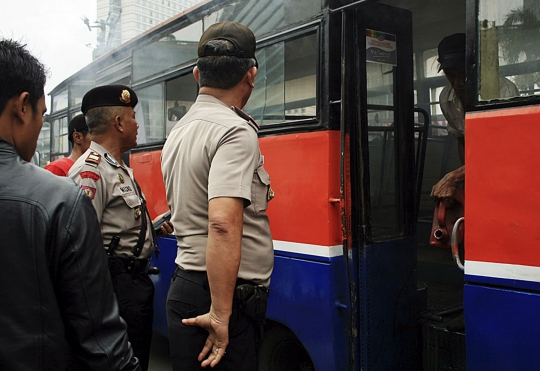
<point x="353" y="138"/>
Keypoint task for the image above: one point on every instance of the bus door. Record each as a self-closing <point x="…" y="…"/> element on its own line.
<point x="378" y="182"/>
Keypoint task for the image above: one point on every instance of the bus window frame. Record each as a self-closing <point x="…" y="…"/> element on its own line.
<point x="472" y="102"/>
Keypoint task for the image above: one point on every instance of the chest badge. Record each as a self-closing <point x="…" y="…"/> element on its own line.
<point x="121" y="178"/>
<point x="270" y="194"/>
<point x="137" y="213"/>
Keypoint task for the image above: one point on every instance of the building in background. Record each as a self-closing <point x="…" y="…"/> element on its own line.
<point x="121" y="20"/>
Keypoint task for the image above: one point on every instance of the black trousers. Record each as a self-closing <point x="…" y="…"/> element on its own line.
<point x="135" y="295"/>
<point x="189" y="296"/>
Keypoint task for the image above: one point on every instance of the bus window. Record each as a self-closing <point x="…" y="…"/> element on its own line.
<point x="181" y="93"/>
<point x="508" y="49"/>
<point x="150" y="114"/>
<point x="286" y="83"/>
<point x="59" y="141"/>
<point x="167" y="53"/>
<point x="263" y="17"/>
<point x="60" y="101"/>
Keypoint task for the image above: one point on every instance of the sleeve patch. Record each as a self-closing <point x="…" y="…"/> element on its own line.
<point x="90" y="175"/>
<point x="90" y="191"/>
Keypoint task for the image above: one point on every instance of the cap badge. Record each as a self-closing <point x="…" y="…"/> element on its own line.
<point x="120" y="178"/>
<point x="125" y="97"/>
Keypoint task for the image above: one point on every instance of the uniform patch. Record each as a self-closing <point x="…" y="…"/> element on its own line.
<point x="90" y="175"/>
<point x="121" y="178"/>
<point x="126" y="189"/>
<point x="93" y="158"/>
<point x="90" y="191"/>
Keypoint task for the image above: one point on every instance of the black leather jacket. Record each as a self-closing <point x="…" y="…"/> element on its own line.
<point x="57" y="306"/>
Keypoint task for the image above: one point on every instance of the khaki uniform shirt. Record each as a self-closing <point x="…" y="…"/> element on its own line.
<point x="115" y="197"/>
<point x="213" y="152"/>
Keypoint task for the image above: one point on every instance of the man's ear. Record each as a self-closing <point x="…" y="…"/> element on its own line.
<point x="119" y="123"/>
<point x="196" y="73"/>
<point x="250" y="75"/>
<point x="22" y="106"/>
<point x="77" y="137"/>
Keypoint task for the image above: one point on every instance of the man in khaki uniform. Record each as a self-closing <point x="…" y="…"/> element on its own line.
<point x="120" y="206"/>
<point x="218" y="191"/>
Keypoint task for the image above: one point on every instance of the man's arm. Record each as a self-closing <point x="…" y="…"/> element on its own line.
<point x="223" y="253"/>
<point x="85" y="291"/>
<point x="445" y="189"/>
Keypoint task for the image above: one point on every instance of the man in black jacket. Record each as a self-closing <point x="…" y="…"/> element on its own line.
<point x="57" y="306"/>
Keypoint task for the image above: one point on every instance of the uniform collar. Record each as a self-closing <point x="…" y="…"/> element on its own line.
<point x="105" y="154"/>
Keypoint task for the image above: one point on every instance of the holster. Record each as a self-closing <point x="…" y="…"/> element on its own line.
<point x="253" y="301"/>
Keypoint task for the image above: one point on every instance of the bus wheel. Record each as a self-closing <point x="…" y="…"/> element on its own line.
<point x="282" y="351"/>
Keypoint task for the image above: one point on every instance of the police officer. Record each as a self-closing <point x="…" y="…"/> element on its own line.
<point x="120" y="206"/>
<point x="218" y="191"/>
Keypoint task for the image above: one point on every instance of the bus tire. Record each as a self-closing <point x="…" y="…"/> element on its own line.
<point x="282" y="351"/>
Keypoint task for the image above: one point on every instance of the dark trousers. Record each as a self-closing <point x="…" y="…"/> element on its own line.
<point x="189" y="296"/>
<point x="135" y="295"/>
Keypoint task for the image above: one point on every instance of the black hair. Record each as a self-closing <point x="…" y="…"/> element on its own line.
<point x="20" y="72"/>
<point x="99" y="119"/>
<point x="222" y="71"/>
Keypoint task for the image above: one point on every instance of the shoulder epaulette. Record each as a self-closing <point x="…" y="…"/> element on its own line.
<point x="93" y="158"/>
<point x="246" y="117"/>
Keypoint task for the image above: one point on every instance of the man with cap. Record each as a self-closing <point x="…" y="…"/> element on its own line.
<point x="80" y="141"/>
<point x="218" y="191"/>
<point x="126" y="227"/>
<point x="451" y="51"/>
<point x="53" y="314"/>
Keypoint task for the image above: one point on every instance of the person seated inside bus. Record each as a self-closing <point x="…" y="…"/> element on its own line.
<point x="80" y="139"/>
<point x="451" y="52"/>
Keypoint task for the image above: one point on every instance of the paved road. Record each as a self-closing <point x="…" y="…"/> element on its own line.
<point x="159" y="354"/>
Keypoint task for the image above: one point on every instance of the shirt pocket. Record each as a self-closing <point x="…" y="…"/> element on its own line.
<point x="259" y="189"/>
<point x="134" y="211"/>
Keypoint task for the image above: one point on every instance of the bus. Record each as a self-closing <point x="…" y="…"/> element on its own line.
<point x="347" y="97"/>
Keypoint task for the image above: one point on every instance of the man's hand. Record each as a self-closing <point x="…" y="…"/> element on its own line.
<point x="218" y="337"/>
<point x="445" y="189"/>
<point x="166" y="229"/>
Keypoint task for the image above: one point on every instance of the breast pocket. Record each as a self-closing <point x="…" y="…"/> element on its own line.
<point x="259" y="189"/>
<point x="133" y="215"/>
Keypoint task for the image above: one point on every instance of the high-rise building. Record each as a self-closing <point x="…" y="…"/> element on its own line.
<point x="121" y="20"/>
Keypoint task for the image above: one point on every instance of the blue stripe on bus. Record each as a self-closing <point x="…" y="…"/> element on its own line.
<point x="503" y="282"/>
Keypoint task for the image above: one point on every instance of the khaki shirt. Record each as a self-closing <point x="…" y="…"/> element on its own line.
<point x="213" y="152"/>
<point x="111" y="186"/>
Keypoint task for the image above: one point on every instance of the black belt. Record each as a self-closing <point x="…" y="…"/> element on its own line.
<point x="201" y="278"/>
<point x="135" y="266"/>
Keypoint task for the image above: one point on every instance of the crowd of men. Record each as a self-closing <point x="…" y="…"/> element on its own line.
<point x="78" y="244"/>
<point x="79" y="239"/>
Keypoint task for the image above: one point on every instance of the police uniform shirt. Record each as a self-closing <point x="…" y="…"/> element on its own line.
<point x="115" y="197"/>
<point x="213" y="152"/>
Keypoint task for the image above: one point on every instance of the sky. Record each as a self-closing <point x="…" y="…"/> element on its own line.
<point x="53" y="32"/>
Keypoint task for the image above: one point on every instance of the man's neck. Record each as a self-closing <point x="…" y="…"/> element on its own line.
<point x="111" y="145"/>
<point x="229" y="97"/>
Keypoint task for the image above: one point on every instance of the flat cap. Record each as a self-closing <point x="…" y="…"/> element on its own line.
<point x="109" y="96"/>
<point x="452" y="52"/>
<point x="77" y="124"/>
<point x="239" y="35"/>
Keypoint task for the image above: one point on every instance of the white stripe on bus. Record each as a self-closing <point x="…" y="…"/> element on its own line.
<point x="308" y="249"/>
<point x="505" y="271"/>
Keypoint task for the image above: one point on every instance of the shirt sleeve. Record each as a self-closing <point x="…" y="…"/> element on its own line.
<point x="234" y="163"/>
<point x="90" y="179"/>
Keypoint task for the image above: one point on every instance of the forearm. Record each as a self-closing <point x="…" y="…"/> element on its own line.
<point x="224" y="252"/>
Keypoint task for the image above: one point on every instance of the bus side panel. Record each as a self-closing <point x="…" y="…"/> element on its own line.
<point x="309" y="298"/>
<point x="502" y="190"/>
<point x="502" y="329"/>
<point x="304" y="171"/>
<point x="502" y="240"/>
<point x="147" y="170"/>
